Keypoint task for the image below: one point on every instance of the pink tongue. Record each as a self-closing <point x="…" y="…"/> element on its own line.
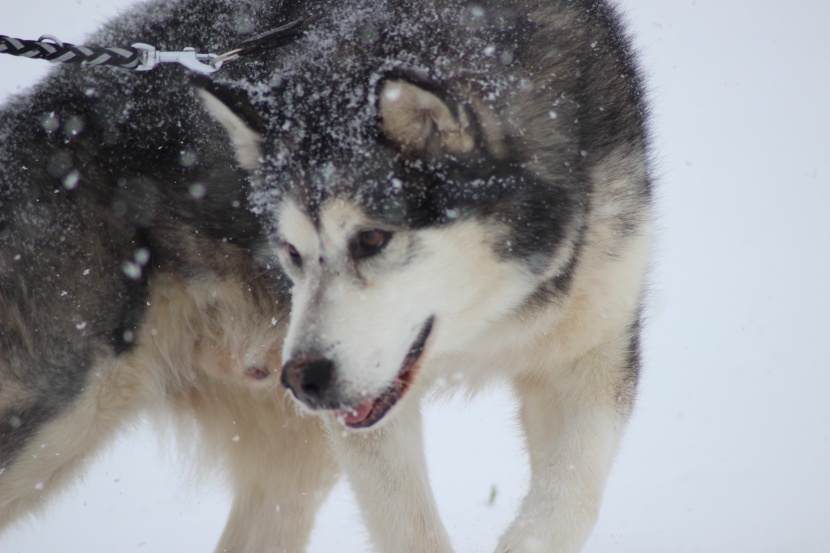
<point x="356" y="414"/>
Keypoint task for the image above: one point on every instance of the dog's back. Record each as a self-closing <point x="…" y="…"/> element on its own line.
<point x="128" y="278"/>
<point x="96" y="169"/>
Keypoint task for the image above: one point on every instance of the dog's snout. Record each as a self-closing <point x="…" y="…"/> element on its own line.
<point x="310" y="379"/>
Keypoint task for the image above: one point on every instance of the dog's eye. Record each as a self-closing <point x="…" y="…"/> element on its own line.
<point x="370" y="242"/>
<point x="372" y="239"/>
<point x="294" y="254"/>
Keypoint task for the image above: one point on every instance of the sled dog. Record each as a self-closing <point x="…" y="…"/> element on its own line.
<point x="288" y="255"/>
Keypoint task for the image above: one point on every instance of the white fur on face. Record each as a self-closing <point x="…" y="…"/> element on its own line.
<point x="366" y="314"/>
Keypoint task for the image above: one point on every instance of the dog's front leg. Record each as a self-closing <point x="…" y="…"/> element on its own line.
<point x="573" y="427"/>
<point x="387" y="471"/>
<point x="280" y="470"/>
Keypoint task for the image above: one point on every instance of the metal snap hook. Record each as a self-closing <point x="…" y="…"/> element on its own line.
<point x="187" y="57"/>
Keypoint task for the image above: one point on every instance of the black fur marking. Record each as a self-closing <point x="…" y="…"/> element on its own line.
<point x="555" y="288"/>
<point x="634" y="352"/>
<point x="626" y="390"/>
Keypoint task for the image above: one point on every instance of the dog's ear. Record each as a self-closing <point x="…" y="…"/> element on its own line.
<point x="230" y="107"/>
<point x="421" y="123"/>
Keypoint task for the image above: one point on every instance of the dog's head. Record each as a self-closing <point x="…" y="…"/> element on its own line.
<point x="400" y="211"/>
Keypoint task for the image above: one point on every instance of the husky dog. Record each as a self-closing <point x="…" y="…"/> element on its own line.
<point x="433" y="188"/>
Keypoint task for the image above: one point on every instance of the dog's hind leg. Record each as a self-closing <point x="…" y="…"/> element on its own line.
<point x="56" y="451"/>
<point x="573" y="425"/>
<point x="387" y="470"/>
<point x="279" y="466"/>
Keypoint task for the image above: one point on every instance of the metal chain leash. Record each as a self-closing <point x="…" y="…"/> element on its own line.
<point x="144" y="57"/>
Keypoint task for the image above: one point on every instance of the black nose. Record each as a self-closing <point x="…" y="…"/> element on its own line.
<point x="310" y="378"/>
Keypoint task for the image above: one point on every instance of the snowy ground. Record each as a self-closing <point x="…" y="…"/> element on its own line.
<point x="730" y="446"/>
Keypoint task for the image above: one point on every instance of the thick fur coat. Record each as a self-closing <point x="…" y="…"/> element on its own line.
<point x="296" y="250"/>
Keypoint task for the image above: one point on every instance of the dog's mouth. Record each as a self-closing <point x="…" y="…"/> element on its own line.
<point x="370" y="412"/>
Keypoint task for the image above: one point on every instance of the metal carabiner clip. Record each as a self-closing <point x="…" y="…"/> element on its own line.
<point x="187" y="57"/>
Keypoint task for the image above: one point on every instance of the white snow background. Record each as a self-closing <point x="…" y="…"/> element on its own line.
<point x="729" y="448"/>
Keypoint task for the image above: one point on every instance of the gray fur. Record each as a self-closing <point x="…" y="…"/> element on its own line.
<point x="98" y="166"/>
<point x="527" y="61"/>
<point x="117" y="188"/>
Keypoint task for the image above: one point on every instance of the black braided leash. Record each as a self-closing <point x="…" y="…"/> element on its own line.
<point x="143" y="57"/>
<point x="63" y="52"/>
